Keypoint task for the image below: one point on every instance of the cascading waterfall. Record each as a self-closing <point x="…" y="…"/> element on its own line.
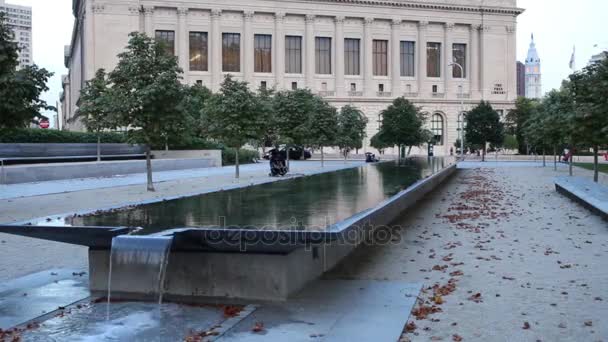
<point x="145" y="256"/>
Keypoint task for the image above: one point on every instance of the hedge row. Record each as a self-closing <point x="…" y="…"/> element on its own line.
<point x="50" y="136"/>
<point x="46" y="136"/>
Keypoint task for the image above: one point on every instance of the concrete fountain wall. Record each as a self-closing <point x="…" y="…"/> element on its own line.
<point x="198" y="275"/>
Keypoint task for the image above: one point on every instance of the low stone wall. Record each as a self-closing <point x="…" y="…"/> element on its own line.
<point x="215" y="155"/>
<point x="63" y="150"/>
<point x="48" y="172"/>
<point x="592" y="196"/>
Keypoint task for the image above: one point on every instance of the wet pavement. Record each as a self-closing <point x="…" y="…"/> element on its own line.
<point x="29" y="297"/>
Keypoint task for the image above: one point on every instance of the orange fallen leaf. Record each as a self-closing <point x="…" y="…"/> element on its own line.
<point x="258" y="327"/>
<point x="526" y="326"/>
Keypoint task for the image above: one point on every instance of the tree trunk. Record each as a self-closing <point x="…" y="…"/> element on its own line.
<point x="544" y="158"/>
<point x="322" y="157"/>
<point x="98" y="147"/>
<point x="483" y="154"/>
<point x="236" y="163"/>
<point x="554" y="158"/>
<point x="287" y="150"/>
<point x="596" y="175"/>
<point x="149" y="168"/>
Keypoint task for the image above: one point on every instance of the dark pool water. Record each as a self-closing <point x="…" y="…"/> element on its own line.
<point x="312" y="202"/>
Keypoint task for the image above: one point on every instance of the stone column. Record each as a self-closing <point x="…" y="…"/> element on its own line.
<point x="340" y="90"/>
<point x="310" y="51"/>
<point x="448" y="58"/>
<point x="422" y="29"/>
<point x="216" y="50"/>
<point x="482" y="60"/>
<point x="248" y="48"/>
<point x="183" y="38"/>
<point x="149" y="21"/>
<point x="279" y="51"/>
<point x="474" y="64"/>
<point x="368" y="61"/>
<point x="511" y="62"/>
<point x="395" y="58"/>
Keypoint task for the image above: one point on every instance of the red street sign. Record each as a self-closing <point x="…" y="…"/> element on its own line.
<point x="44" y="124"/>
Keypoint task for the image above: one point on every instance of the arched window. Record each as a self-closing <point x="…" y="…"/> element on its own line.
<point x="437" y="128"/>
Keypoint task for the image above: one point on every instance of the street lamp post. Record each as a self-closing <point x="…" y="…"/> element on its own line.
<point x="453" y="64"/>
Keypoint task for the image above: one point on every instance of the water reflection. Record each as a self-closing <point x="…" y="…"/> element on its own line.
<point x="312" y="202"/>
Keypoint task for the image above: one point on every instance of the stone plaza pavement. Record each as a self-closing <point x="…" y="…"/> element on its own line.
<point x="503" y="257"/>
<point x="20" y="256"/>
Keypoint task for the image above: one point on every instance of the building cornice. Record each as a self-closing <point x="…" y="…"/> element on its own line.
<point x="404" y="4"/>
<point x="429" y="6"/>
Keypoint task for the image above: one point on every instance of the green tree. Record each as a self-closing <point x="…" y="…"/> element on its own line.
<point x="292" y="112"/>
<point x="380" y="142"/>
<point x="20" y="90"/>
<point x="590" y="121"/>
<point x="484" y="127"/>
<point x="95" y="107"/>
<point x="147" y="94"/>
<point x="235" y="116"/>
<point x="193" y="126"/>
<point x="351" y="129"/>
<point x="403" y="125"/>
<point x="556" y="113"/>
<point x="323" y="129"/>
<point x="515" y="120"/>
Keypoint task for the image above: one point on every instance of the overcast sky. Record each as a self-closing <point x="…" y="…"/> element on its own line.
<point x="557" y="25"/>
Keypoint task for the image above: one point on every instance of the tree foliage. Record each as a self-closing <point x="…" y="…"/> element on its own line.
<point x="515" y="120"/>
<point x="292" y="112"/>
<point x="351" y="129"/>
<point x="235" y="115"/>
<point x="484" y="127"/>
<point x="403" y="124"/>
<point x="20" y="90"/>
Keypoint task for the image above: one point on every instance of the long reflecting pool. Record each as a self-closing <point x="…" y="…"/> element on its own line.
<point x="310" y="203"/>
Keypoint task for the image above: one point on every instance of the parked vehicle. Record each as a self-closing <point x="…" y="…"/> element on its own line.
<point x="295" y="153"/>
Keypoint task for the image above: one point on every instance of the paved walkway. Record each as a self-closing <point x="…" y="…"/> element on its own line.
<point x="504" y="257"/>
<point x="70" y="185"/>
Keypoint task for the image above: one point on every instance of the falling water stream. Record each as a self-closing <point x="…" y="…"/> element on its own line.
<point x="140" y="259"/>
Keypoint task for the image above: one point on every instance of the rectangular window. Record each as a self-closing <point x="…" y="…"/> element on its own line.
<point x="352" y="56"/>
<point x="231" y="52"/>
<point x="323" y="55"/>
<point x="433" y="59"/>
<point x="294" y="85"/>
<point x="263" y="85"/>
<point x="263" y="53"/>
<point x="381" y="88"/>
<point x="380" y="51"/>
<point x="293" y="54"/>
<point x="198" y="51"/>
<point x="167" y="38"/>
<point x="460" y="56"/>
<point x="408" y="58"/>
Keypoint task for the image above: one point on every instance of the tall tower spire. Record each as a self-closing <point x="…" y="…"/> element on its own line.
<point x="533" y="72"/>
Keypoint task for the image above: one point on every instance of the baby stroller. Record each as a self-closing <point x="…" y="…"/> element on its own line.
<point x="278" y="167"/>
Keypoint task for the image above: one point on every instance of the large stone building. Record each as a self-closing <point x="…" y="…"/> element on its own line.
<point x="359" y="52"/>
<point x="20" y="21"/>
<point x="521" y="79"/>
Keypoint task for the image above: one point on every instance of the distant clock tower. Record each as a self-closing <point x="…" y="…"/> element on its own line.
<point x="533" y="73"/>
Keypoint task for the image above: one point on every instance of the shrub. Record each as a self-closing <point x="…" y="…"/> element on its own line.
<point x="50" y="136"/>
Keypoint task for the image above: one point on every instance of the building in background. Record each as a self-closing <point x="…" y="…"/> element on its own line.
<point x="20" y="20"/>
<point x="600" y="56"/>
<point x="364" y="54"/>
<point x="533" y="73"/>
<point x="521" y="79"/>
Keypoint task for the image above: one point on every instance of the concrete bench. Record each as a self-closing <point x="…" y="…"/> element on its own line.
<point x="593" y="196"/>
<point x="11" y="154"/>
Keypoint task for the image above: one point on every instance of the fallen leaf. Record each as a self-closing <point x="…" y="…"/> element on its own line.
<point x="410" y="327"/>
<point x="456" y="338"/>
<point x="526" y="326"/>
<point x="258" y="327"/>
<point x="588" y="323"/>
